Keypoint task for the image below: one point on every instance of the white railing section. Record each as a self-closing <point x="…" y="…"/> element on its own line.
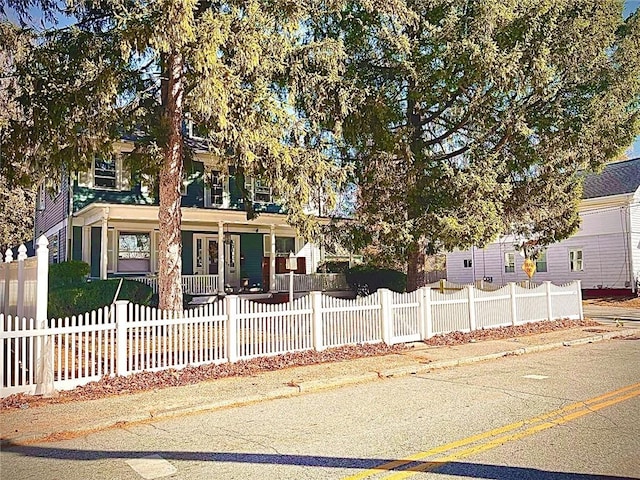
<point x="191" y="284"/>
<point x="20" y="280"/>
<point x="314" y="282"/>
<point x="354" y="321"/>
<point x="124" y="338"/>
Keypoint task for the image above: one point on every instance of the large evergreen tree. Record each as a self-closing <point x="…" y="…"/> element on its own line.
<point x="475" y="118"/>
<point x="246" y="71"/>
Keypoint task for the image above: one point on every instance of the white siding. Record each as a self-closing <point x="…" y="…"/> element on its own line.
<point x="603" y="238"/>
<point x="634" y="247"/>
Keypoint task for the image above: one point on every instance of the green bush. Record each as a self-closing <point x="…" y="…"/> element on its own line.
<point x="67" y="273"/>
<point x="365" y="279"/>
<point x="333" y="267"/>
<point x="88" y="296"/>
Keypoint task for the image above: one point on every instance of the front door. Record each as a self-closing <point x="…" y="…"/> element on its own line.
<point x="232" y="261"/>
<point x="206" y="259"/>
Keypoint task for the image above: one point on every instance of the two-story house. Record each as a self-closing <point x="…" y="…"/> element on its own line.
<point x="108" y="218"/>
<point x="603" y="254"/>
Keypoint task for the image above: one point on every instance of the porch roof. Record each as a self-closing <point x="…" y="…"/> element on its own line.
<point x="95" y="213"/>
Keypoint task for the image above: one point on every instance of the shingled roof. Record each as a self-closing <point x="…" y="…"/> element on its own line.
<point x="615" y="179"/>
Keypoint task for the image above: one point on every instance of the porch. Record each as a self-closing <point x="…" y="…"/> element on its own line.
<point x="210" y="284"/>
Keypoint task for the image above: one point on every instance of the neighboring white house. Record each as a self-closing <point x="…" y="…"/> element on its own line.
<point x="603" y="254"/>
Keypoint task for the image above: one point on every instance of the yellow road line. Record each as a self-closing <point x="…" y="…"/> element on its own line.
<point x="491" y="433"/>
<point x="423" y="467"/>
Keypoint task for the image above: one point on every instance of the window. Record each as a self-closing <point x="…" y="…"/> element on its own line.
<point x="285" y="245"/>
<point x="54" y="253"/>
<point x="134" y="252"/>
<point x="509" y="262"/>
<point x="258" y="190"/>
<point x="104" y="173"/>
<point x="576" y="263"/>
<point x="42" y="192"/>
<point x="541" y="262"/>
<point x="467" y="263"/>
<point x="216" y="184"/>
<point x="262" y="191"/>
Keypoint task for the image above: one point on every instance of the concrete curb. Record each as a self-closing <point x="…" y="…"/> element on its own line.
<point x="295" y="389"/>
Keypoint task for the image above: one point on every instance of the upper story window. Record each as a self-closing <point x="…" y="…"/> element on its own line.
<point x="258" y="189"/>
<point x="541" y="262"/>
<point x="467" y="263"/>
<point x="216" y="183"/>
<point x="509" y="262"/>
<point x="105" y="173"/>
<point x="576" y="263"/>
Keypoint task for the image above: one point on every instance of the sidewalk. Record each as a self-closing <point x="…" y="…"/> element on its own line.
<point x="58" y="421"/>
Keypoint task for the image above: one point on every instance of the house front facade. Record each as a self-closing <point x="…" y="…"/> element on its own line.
<point x="603" y="254"/>
<point x="108" y="218"/>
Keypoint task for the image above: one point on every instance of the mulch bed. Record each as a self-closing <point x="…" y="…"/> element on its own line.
<point x="145" y="381"/>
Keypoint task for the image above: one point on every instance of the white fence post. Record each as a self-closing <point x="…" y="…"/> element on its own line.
<point x="8" y="258"/>
<point x="386" y="315"/>
<point x="547" y="285"/>
<point x="22" y="256"/>
<point x="316" y="320"/>
<point x="578" y="284"/>
<point x="44" y="355"/>
<point x="232" y="326"/>
<point x="472" y="307"/>
<point x="512" y="294"/>
<point x="121" y="312"/>
<point x="42" y="289"/>
<point x="429" y="312"/>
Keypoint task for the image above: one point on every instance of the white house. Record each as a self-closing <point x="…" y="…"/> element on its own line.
<point x="603" y="254"/>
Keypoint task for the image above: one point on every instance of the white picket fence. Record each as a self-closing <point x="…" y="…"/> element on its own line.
<point x="24" y="282"/>
<point x="125" y="338"/>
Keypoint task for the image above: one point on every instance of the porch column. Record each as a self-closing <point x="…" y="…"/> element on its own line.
<point x="272" y="260"/>
<point x="104" y="240"/>
<point x="86" y="244"/>
<point x="221" y="265"/>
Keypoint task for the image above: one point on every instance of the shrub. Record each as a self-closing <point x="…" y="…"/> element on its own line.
<point x="365" y="279"/>
<point x="88" y="296"/>
<point x="67" y="273"/>
<point x="333" y="267"/>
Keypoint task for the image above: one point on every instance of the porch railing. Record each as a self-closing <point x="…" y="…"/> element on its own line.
<point x="315" y="282"/>
<point x="191" y="284"/>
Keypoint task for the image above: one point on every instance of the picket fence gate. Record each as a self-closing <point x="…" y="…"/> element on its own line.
<point x="124" y="338"/>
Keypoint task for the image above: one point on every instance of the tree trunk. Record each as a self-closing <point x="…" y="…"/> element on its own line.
<point x="170" y="215"/>
<point x="415" y="267"/>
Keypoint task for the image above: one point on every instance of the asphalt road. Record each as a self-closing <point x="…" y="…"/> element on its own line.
<point x="571" y="413"/>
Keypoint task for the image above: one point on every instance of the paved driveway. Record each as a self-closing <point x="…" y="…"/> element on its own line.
<point x="608" y="314"/>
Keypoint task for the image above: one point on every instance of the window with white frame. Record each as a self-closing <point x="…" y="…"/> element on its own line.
<point x="541" y="262"/>
<point x="576" y="262"/>
<point x="258" y="190"/>
<point x="42" y="195"/>
<point x="134" y="252"/>
<point x="216" y="184"/>
<point x="509" y="262"/>
<point x="467" y="262"/>
<point x="285" y="245"/>
<point x="105" y="173"/>
<point x="54" y="250"/>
